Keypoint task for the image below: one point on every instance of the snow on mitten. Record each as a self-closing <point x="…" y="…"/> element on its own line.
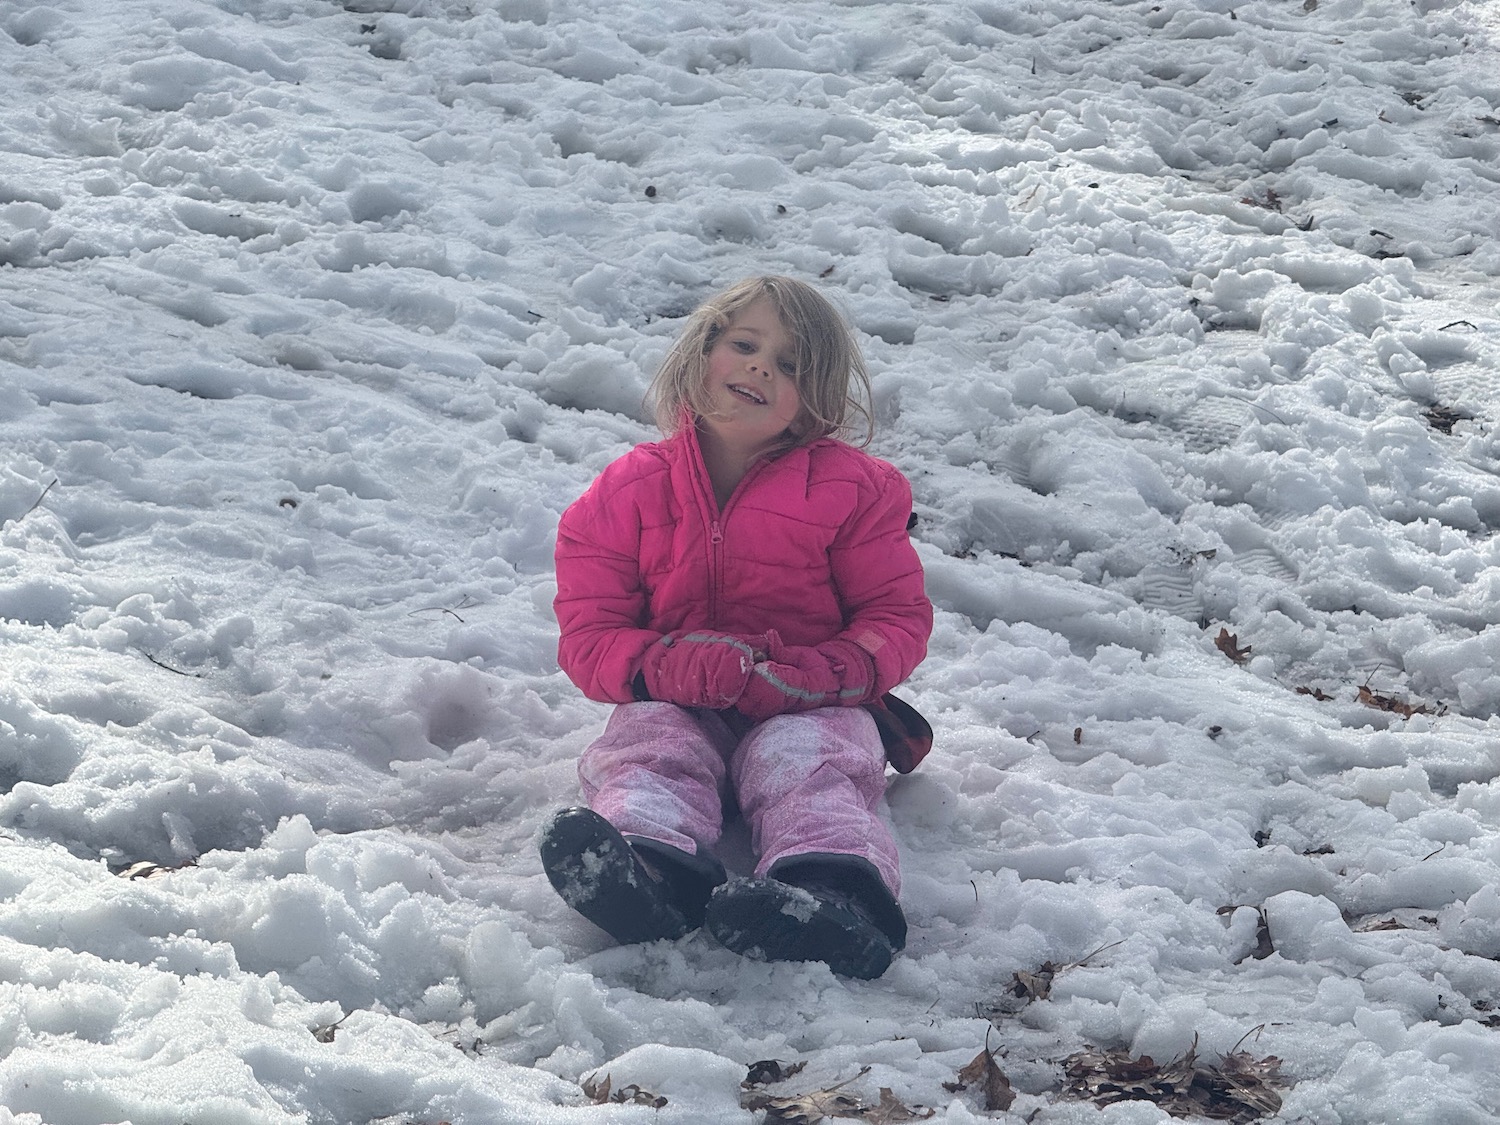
<point x="699" y="668"/>
<point x="836" y="673"/>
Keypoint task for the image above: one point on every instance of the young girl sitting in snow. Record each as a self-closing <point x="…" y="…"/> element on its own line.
<point x="746" y="593"/>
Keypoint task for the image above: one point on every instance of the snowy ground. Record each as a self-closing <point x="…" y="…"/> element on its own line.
<point x="313" y="318"/>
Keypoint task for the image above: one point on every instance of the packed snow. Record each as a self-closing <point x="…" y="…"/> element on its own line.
<point x="1184" y="322"/>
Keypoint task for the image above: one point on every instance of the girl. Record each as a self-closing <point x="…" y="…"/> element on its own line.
<point x="746" y="593"/>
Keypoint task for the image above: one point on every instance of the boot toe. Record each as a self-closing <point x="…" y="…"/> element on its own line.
<point x="773" y="921"/>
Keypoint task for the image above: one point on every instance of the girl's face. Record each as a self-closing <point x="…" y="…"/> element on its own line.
<point x="749" y="372"/>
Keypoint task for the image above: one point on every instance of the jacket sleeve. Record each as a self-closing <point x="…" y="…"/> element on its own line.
<point x="601" y="600"/>
<point x="879" y="578"/>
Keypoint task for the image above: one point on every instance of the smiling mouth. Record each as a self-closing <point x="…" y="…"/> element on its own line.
<point x="747" y="394"/>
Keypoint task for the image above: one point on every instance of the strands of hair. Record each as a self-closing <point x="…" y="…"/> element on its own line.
<point x="832" y="380"/>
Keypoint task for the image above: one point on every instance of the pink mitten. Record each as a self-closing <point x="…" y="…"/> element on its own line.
<point x="699" y="669"/>
<point x="836" y="673"/>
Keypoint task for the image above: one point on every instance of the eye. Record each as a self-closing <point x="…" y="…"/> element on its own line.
<point x="744" y="347"/>
<point x="788" y="368"/>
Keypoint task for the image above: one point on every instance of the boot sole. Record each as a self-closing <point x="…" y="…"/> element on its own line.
<point x="772" y="921"/>
<point x="596" y="872"/>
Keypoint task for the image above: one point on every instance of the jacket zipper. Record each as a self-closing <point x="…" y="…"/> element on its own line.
<point x="716" y="520"/>
<point x="715" y="569"/>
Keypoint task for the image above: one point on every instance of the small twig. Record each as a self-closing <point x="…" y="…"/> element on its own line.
<point x="1253" y="1031"/>
<point x="1258" y="406"/>
<point x="1085" y="960"/>
<point x="38" y="503"/>
<point x="463" y="603"/>
<point x="169" y="668"/>
<point x="1456" y="323"/>
<point x="864" y="1070"/>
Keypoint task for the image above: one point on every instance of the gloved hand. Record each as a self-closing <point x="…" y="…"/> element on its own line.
<point x="700" y="669"/>
<point x="836" y="673"/>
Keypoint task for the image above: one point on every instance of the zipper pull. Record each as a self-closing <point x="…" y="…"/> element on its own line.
<point x="715" y="533"/>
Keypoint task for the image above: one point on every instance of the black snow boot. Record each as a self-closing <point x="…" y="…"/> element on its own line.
<point x="828" y="908"/>
<point x="632" y="890"/>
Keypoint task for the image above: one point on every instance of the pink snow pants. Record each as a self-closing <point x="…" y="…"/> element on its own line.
<point x="808" y="782"/>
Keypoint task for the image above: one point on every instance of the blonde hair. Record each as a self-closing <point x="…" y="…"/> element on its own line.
<point x="831" y="377"/>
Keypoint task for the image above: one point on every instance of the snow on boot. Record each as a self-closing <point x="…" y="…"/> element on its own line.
<point x="823" y="916"/>
<point x="599" y="874"/>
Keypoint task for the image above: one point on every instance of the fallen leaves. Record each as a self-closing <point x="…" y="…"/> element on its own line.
<point x="769" y="1071"/>
<point x="145" y="869"/>
<point x="1034" y="986"/>
<point x="1238" y="1088"/>
<point x="819" y="1105"/>
<point x="1444" y="418"/>
<point x="1268" y="200"/>
<point x="1396" y="706"/>
<point x="1410" y="920"/>
<point x="327" y="1032"/>
<point x="806" y="1109"/>
<point x="890" y="1111"/>
<point x="1027" y="986"/>
<point x="1229" y="644"/>
<point x="601" y="1093"/>
<point x="991" y="1081"/>
<point x="1264" y="947"/>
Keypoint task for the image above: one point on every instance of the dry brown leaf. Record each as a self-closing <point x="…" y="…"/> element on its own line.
<point x="1239" y="1088"/>
<point x="326" y="1033"/>
<point x="892" y="1112"/>
<point x="1270" y="200"/>
<point x="634" y="1095"/>
<point x="769" y="1071"/>
<point x="145" y="869"/>
<point x="1244" y="1083"/>
<point x="810" y="1108"/>
<point x="1229" y="644"/>
<point x="983" y="1072"/>
<point x="1028" y="986"/>
<point x="1037" y="985"/>
<point x="600" y="1093"/>
<point x="1444" y="418"/>
<point x="1317" y="693"/>
<point x="1263" y="945"/>
<point x="1392" y="704"/>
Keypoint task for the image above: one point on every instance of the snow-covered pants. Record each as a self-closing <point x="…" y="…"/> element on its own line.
<point x="806" y="782"/>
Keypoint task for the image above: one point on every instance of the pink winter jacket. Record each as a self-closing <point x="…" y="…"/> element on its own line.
<point x="812" y="544"/>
